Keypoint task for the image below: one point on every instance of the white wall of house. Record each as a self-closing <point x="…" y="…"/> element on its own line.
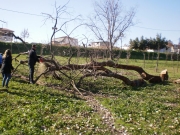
<point x="163" y="50"/>
<point x="172" y="49"/>
<point x="99" y="44"/>
<point x="176" y="48"/>
<point x="66" y="40"/>
<point x="6" y="35"/>
<point x="95" y="44"/>
<point x="150" y="50"/>
<point x="6" y="38"/>
<point x="72" y="41"/>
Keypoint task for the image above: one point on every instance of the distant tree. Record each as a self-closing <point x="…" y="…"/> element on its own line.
<point x="143" y="46"/>
<point x="25" y="34"/>
<point x="109" y="22"/>
<point x="143" y="43"/>
<point x="160" y="42"/>
<point x="134" y="43"/>
<point x="155" y="43"/>
<point x="149" y="43"/>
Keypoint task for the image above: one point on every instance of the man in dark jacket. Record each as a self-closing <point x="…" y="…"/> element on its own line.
<point x="33" y="58"/>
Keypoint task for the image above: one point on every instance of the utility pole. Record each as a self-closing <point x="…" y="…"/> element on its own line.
<point x="3" y="22"/>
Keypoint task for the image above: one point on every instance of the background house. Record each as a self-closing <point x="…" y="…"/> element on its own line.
<point x="6" y="35"/>
<point x="175" y="48"/>
<point x="100" y="44"/>
<point x="65" y="41"/>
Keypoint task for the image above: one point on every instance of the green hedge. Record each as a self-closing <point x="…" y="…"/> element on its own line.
<point x="82" y="52"/>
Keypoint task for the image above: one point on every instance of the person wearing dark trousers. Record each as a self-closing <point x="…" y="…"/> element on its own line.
<point x="6" y="67"/>
<point x="0" y="60"/>
<point x="33" y="58"/>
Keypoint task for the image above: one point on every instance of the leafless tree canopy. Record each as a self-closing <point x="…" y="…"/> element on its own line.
<point x="57" y="27"/>
<point x="110" y="21"/>
<point x="25" y="34"/>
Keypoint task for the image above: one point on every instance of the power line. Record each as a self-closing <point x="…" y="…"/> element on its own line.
<point x="66" y="18"/>
<point x="26" y="13"/>
<point x="20" y="12"/>
<point x="155" y="29"/>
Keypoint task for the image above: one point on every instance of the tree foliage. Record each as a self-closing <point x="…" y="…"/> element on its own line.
<point x="152" y="43"/>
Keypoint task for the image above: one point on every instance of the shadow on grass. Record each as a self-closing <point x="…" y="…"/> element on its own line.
<point x="20" y="80"/>
<point x="3" y="90"/>
<point x="114" y="90"/>
<point x="167" y="83"/>
<point x="43" y="94"/>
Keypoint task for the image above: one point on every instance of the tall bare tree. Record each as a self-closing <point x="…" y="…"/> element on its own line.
<point x="57" y="27"/>
<point x="25" y="34"/>
<point x="110" y="22"/>
<point x="59" y="11"/>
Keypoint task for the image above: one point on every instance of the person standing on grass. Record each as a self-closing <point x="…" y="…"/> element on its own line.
<point x="33" y="58"/>
<point x="6" y="67"/>
<point x="0" y="60"/>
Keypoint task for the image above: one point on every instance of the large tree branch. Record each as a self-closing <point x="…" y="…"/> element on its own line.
<point x="95" y="69"/>
<point x="100" y="66"/>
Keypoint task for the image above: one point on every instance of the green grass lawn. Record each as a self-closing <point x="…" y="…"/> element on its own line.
<point x="30" y="109"/>
<point x="33" y="109"/>
<point x="154" y="109"/>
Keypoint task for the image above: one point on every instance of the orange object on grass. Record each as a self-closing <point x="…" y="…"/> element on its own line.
<point x="41" y="59"/>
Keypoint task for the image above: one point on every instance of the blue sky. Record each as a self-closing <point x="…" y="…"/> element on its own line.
<point x="152" y="17"/>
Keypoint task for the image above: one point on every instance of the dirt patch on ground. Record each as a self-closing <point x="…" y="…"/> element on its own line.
<point x="106" y="115"/>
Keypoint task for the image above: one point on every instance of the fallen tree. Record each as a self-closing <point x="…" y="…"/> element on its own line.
<point x="93" y="68"/>
<point x="97" y="69"/>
